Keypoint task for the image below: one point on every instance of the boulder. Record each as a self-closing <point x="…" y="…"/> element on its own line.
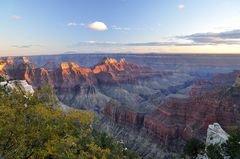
<point x="20" y="85"/>
<point x="216" y="135"/>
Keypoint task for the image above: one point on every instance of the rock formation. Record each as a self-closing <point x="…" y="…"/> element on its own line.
<point x="19" y="85"/>
<point x="21" y="68"/>
<point x="216" y="135"/>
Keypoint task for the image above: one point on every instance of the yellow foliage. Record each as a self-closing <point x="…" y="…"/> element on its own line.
<point x="83" y="117"/>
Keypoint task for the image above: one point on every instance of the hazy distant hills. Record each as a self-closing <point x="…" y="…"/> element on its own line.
<point x="158" y="61"/>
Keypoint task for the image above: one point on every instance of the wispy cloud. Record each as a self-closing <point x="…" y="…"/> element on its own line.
<point x="159" y="44"/>
<point x="96" y="43"/>
<point x="222" y="38"/>
<point x="72" y="24"/>
<point x="98" y="26"/>
<point x="110" y="43"/>
<point x="198" y="39"/>
<point x="16" y="17"/>
<point x="120" y="28"/>
<point x="24" y="46"/>
<point x="181" y="6"/>
<point x="228" y="37"/>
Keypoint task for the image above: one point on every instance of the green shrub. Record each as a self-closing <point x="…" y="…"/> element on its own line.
<point x="232" y="146"/>
<point x="214" y="152"/>
<point x="193" y="147"/>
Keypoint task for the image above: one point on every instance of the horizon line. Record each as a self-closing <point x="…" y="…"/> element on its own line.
<point x="115" y="53"/>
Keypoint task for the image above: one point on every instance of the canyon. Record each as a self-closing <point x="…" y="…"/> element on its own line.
<point x="153" y="108"/>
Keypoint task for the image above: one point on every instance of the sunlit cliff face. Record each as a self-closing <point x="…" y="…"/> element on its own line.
<point x="69" y="65"/>
<point x="108" y="70"/>
<point x="110" y="64"/>
<point x="2" y="64"/>
<point x="110" y="61"/>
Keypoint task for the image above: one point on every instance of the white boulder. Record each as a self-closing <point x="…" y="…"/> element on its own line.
<point x="216" y="135"/>
<point x="20" y="85"/>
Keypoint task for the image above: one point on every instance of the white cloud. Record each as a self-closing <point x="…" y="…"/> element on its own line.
<point x="16" y="17"/>
<point x="99" y="26"/>
<point x="72" y="24"/>
<point x="181" y="6"/>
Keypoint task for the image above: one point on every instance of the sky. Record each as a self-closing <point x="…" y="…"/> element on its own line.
<point x="33" y="27"/>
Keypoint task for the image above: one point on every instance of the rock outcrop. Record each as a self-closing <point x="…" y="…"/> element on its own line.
<point x="216" y="135"/>
<point x="111" y="71"/>
<point x="121" y="115"/>
<point x="19" y="85"/>
<point x="20" y="68"/>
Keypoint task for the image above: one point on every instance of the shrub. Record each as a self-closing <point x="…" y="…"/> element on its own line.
<point x="232" y="146"/>
<point x="193" y="147"/>
<point x="214" y="152"/>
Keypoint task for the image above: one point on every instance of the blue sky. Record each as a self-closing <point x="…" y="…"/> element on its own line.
<point x="113" y="26"/>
